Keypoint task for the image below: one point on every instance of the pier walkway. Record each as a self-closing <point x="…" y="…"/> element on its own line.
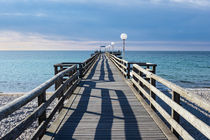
<point x="106" y="97"/>
<point x="103" y="106"/>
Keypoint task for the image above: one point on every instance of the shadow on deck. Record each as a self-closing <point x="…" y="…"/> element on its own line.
<point x="103" y="111"/>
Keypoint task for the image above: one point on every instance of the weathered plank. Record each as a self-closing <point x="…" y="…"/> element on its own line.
<point x="200" y="125"/>
<point x="104" y="108"/>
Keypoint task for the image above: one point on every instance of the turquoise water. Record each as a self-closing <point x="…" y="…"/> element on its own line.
<point x="187" y="69"/>
<point x="21" y="71"/>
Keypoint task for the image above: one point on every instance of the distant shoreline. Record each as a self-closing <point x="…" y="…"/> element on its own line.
<point x="202" y="92"/>
<point x="18" y="93"/>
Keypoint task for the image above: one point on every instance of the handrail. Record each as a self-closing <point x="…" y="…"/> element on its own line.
<point x="21" y="101"/>
<point x="40" y="113"/>
<point x="144" y="81"/>
<point x="120" y="63"/>
<point x="88" y="63"/>
<point x="139" y="82"/>
<point x="186" y="94"/>
<point x="65" y="80"/>
<point x="82" y="67"/>
<point x="125" y="66"/>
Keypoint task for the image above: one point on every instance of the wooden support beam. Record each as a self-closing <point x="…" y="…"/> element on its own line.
<point x="128" y="70"/>
<point x="174" y="114"/>
<point x="152" y="94"/>
<point x="41" y="100"/>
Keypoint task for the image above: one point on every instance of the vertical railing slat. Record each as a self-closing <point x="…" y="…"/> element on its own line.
<point x="41" y="100"/>
<point x="174" y="114"/>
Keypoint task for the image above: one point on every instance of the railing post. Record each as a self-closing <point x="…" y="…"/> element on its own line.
<point x="140" y="83"/>
<point x="153" y="82"/>
<point x="41" y="100"/>
<point x="56" y="71"/>
<point x="80" y="70"/>
<point x="154" y="69"/>
<point x="128" y="71"/>
<point x="60" y="80"/>
<point x="134" y="78"/>
<point x="174" y="114"/>
<point x="124" y="68"/>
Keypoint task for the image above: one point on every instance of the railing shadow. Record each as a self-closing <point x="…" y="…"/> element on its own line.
<point x="105" y="123"/>
<point x="92" y="72"/>
<point x="110" y="74"/>
<point x="78" y="113"/>
<point x="102" y="72"/>
<point x="131" y="125"/>
<point x="104" y="127"/>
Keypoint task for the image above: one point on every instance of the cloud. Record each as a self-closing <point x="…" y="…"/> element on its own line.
<point x="10" y="40"/>
<point x="194" y="2"/>
<point x="138" y="2"/>
<point x="23" y="14"/>
<point x="202" y="3"/>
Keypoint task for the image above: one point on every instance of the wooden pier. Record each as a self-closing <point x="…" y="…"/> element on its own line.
<point x="106" y="97"/>
<point x="104" y="107"/>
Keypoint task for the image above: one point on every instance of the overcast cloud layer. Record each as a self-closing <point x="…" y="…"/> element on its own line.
<point x="84" y="24"/>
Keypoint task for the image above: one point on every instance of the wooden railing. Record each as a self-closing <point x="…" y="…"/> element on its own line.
<point x="139" y="81"/>
<point x="119" y="63"/>
<point x="65" y="81"/>
<point x="125" y="67"/>
<point x="82" y="67"/>
<point x="144" y="81"/>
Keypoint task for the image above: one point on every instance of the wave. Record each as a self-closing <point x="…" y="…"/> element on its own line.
<point x="184" y="81"/>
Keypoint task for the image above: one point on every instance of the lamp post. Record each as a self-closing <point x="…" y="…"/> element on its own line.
<point x="123" y="36"/>
<point x="109" y="46"/>
<point x="112" y="44"/>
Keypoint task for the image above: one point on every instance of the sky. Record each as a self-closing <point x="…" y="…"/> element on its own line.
<point x="164" y="25"/>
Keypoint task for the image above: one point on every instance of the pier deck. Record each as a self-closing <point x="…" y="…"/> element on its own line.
<point x="104" y="107"/>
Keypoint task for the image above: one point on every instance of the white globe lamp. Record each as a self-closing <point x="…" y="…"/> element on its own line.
<point x="123" y="36"/>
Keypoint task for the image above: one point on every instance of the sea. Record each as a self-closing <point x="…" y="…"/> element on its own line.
<point x="22" y="71"/>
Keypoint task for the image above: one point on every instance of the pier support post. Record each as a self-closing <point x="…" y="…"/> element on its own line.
<point x="125" y="69"/>
<point x="41" y="100"/>
<point x="128" y="70"/>
<point x="56" y="71"/>
<point x="174" y="114"/>
<point x="153" y="82"/>
<point x="60" y="80"/>
<point x="140" y="83"/>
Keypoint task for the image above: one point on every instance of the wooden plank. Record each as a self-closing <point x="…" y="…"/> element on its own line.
<point x="184" y="93"/>
<point x="200" y="125"/>
<point x="101" y="103"/>
<point x="154" y="116"/>
<point x="171" y="121"/>
<point x="42" y="127"/>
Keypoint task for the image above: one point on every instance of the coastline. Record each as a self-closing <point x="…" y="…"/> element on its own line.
<point x="201" y="92"/>
<point x="18" y="93"/>
<point x="15" y="118"/>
